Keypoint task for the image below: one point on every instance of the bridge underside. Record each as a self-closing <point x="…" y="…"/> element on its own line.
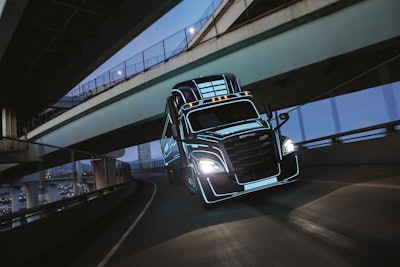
<point x="288" y="65"/>
<point x="365" y="68"/>
<point x="293" y="63"/>
<point x="292" y="88"/>
<point x="48" y="47"/>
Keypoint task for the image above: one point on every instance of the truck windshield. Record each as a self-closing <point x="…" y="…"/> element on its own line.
<point x="218" y="115"/>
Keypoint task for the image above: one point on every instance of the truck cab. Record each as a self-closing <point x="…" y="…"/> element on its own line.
<point x="215" y="139"/>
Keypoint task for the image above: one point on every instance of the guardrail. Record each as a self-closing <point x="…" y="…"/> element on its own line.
<point x="23" y="216"/>
<point x="52" y="178"/>
<point x="62" y="224"/>
<point x="375" y="131"/>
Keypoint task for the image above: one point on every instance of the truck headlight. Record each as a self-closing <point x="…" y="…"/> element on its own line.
<point x="287" y="147"/>
<point x="209" y="166"/>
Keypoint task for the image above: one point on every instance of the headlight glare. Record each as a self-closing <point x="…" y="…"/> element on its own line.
<point x="209" y="166"/>
<point x="287" y="147"/>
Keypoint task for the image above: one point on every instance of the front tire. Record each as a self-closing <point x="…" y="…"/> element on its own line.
<point x="171" y="177"/>
<point x="191" y="181"/>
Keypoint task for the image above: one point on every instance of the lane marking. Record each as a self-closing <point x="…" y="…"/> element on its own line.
<point x="324" y="233"/>
<point x="126" y="234"/>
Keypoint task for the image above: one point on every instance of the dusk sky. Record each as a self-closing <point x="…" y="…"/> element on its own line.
<point x="181" y="16"/>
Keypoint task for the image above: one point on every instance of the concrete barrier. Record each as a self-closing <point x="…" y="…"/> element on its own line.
<point x="374" y="151"/>
<point x="22" y="245"/>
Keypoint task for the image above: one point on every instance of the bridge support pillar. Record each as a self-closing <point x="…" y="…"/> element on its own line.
<point x="104" y="172"/>
<point x="52" y="192"/>
<point x="14" y="192"/>
<point x="144" y="155"/>
<point x="9" y="122"/>
<point x="32" y="197"/>
<point x="78" y="167"/>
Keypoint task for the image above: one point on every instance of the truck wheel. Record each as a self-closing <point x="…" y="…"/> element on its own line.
<point x="171" y="176"/>
<point x="191" y="181"/>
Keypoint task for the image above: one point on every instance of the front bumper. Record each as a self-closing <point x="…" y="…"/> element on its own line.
<point x="220" y="187"/>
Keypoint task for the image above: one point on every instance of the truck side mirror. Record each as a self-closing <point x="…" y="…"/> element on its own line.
<point x="268" y="111"/>
<point x="284" y="117"/>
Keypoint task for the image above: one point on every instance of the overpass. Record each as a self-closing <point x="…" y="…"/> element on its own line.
<point x="47" y="47"/>
<point x="280" y="57"/>
<point x="271" y="54"/>
<point x="290" y="57"/>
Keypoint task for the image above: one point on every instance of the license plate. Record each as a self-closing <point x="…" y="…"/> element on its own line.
<point x="260" y="183"/>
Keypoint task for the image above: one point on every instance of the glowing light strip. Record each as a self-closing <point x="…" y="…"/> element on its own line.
<point x="260" y="183"/>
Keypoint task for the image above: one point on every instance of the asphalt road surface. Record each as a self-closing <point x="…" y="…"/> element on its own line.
<point x="342" y="216"/>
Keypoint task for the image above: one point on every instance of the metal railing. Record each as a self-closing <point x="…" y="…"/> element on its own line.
<point x="12" y="219"/>
<point x="153" y="56"/>
<point x="37" y="178"/>
<point x="371" y="132"/>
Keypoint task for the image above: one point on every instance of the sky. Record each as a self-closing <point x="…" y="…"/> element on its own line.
<point x="181" y="16"/>
<point x="184" y="14"/>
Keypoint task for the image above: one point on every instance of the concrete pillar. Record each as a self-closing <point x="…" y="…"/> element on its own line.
<point x="78" y="167"/>
<point x="144" y="154"/>
<point x="52" y="192"/>
<point x="78" y="180"/>
<point x="9" y="122"/>
<point x="15" y="190"/>
<point x="104" y="172"/>
<point x="32" y="197"/>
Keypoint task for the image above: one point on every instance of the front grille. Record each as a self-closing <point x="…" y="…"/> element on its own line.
<point x="253" y="157"/>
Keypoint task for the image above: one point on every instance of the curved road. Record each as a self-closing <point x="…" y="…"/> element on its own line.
<point x="342" y="216"/>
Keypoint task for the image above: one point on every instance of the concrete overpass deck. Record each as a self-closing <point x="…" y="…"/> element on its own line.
<point x="304" y="45"/>
<point x="332" y="235"/>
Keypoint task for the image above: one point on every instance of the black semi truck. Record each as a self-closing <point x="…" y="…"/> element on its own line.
<point x="215" y="139"/>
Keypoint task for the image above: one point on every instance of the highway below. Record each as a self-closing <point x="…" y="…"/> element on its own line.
<point x="333" y="216"/>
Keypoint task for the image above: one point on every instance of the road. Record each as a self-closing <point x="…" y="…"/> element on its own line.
<point x="343" y="216"/>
